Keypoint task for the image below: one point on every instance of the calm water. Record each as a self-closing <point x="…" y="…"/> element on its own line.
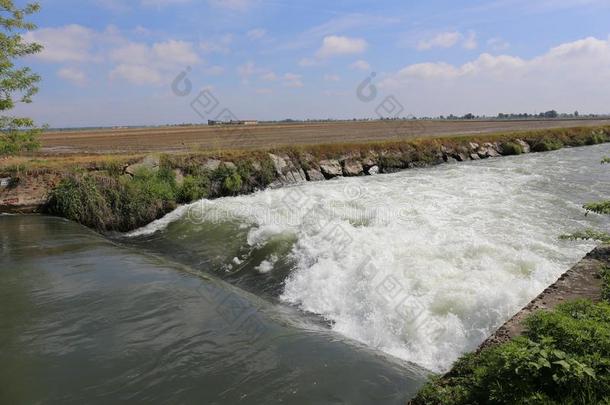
<point x="83" y="320"/>
<point x="337" y="292"/>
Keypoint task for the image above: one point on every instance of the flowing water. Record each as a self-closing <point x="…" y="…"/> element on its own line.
<point x="344" y="291"/>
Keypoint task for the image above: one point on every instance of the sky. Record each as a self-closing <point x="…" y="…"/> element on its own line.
<point x="155" y="62"/>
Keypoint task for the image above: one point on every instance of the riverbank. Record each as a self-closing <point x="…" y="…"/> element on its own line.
<point x="125" y="192"/>
<point x="555" y="350"/>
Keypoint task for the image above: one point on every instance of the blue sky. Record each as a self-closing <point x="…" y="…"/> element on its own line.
<point x="112" y="62"/>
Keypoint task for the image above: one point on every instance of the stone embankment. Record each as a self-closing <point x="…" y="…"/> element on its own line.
<point x="28" y="192"/>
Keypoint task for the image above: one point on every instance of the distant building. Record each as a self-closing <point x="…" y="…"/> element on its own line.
<point x="245" y="122"/>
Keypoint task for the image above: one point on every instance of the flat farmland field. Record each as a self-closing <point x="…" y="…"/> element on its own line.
<point x="206" y="138"/>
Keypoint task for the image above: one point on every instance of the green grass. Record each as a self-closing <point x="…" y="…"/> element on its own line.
<point x="588" y="234"/>
<point x="511" y="148"/>
<point x="605" y="274"/>
<point x="111" y="201"/>
<point x="599" y="207"/>
<point x="563" y="358"/>
<point x="547" y="144"/>
<point x="114" y="203"/>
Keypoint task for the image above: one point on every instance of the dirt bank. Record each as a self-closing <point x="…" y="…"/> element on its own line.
<point x="268" y="136"/>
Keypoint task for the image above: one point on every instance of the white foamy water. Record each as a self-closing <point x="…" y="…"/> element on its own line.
<point x="425" y="264"/>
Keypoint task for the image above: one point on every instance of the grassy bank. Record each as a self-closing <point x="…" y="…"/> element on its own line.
<point x="108" y="194"/>
<point x="563" y="357"/>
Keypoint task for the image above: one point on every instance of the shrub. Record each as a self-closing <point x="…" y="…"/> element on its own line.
<point x="80" y="200"/>
<point x="232" y="184"/>
<point x="193" y="189"/>
<point x="564" y="357"/>
<point x="267" y="174"/>
<point x="595" y="138"/>
<point x="546" y="144"/>
<point x="599" y="207"/>
<point x="390" y="162"/>
<point x="106" y="203"/>
<point x="511" y="148"/>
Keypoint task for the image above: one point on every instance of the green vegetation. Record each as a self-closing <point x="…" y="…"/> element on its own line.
<point x="111" y="203"/>
<point x="108" y="200"/>
<point x="17" y="134"/>
<point x="599" y="207"/>
<point x="605" y="274"/>
<point x="563" y="358"/>
<point x="511" y="148"/>
<point x="605" y="160"/>
<point x="193" y="188"/>
<point x="588" y="234"/>
<point x="547" y="144"/>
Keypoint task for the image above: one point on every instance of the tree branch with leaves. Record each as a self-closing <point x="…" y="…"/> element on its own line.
<point x="17" y="84"/>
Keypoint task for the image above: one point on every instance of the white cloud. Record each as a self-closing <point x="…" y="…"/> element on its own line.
<point x="73" y="75"/>
<point x="70" y="43"/>
<point x="293" y="80"/>
<point x="175" y="52"/>
<point x="214" y="70"/>
<point x="448" y="39"/>
<point x="162" y="3"/>
<point x="441" y="40"/>
<point x="332" y="78"/>
<point x="269" y="77"/>
<point x="361" y="65"/>
<point x="217" y="45"/>
<point x="498" y="44"/>
<point x="232" y="5"/>
<point x="136" y="74"/>
<point x="334" y="45"/>
<point x="153" y="62"/>
<point x="256" y="34"/>
<point x="470" y="41"/>
<point x="247" y="69"/>
<point x="116" y="6"/>
<point x="573" y="75"/>
<point x="308" y="62"/>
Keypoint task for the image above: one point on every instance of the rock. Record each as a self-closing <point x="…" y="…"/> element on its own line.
<point x="488" y="150"/>
<point x="149" y="162"/>
<point x="5" y="181"/>
<point x="331" y="168"/>
<point x="524" y="145"/>
<point x="369" y="161"/>
<point x="315" y="175"/>
<point x="451" y="160"/>
<point x="373" y="170"/>
<point x="352" y="167"/>
<point x="446" y="150"/>
<point x="229" y="165"/>
<point x="473" y="146"/>
<point x="257" y="166"/>
<point x="279" y="164"/>
<point x="474" y="156"/>
<point x="179" y="176"/>
<point x="212" y="164"/>
<point x="287" y="171"/>
<point x="461" y="157"/>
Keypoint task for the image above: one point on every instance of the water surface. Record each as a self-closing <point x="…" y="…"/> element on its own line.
<point x="83" y="320"/>
<point x="422" y="265"/>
